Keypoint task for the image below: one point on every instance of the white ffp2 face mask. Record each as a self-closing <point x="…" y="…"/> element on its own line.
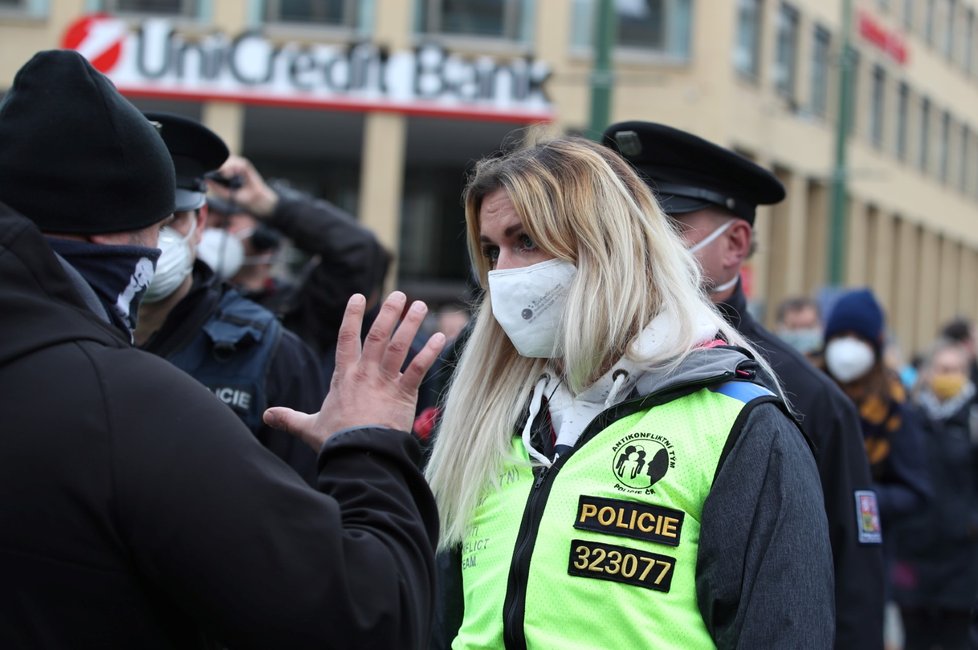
<point x="528" y="303"/>
<point x="222" y="251"/>
<point x="849" y="358"/>
<point x="175" y="263"/>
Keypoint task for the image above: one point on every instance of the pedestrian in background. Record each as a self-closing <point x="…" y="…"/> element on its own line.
<point x="935" y="577"/>
<point x="799" y="324"/>
<point x="344" y="256"/>
<point x="854" y="340"/>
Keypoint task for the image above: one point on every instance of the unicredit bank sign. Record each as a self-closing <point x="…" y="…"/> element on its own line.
<point x="154" y="60"/>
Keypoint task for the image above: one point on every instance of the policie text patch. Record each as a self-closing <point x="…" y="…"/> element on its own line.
<point x="629" y="519"/>
<point x="620" y="564"/>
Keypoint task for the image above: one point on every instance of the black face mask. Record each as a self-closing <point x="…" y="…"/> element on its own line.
<point x="119" y="275"/>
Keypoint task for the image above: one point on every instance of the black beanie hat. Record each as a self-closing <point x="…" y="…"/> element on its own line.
<point x="75" y="156"/>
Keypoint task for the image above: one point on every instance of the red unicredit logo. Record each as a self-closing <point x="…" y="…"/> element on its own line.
<point x="99" y="38"/>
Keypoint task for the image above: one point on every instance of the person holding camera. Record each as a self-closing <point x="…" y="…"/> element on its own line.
<point x="344" y="257"/>
<point x="235" y="347"/>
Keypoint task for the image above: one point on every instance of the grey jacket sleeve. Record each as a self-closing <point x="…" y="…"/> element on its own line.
<point x="764" y="573"/>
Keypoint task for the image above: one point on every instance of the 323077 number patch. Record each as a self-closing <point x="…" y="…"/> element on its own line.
<point x="621" y="564"/>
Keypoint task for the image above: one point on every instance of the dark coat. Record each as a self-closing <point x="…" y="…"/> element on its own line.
<point x="292" y="378"/>
<point x="346" y="258"/>
<point x="137" y="511"/>
<point x="937" y="546"/>
<point x="830" y="421"/>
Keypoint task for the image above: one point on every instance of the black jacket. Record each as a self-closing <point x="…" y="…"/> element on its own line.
<point x="292" y="376"/>
<point x="937" y="546"/>
<point x="830" y="421"/>
<point x="136" y="511"/>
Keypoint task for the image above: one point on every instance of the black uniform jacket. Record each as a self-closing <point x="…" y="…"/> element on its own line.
<point x="293" y="378"/>
<point x="831" y="422"/>
<point x="137" y="511"/>
<point x="348" y="259"/>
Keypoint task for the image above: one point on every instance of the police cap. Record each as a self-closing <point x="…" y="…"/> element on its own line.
<point x="195" y="150"/>
<point x="688" y="173"/>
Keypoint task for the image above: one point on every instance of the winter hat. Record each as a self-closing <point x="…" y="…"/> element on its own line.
<point x="75" y="156"/>
<point x="857" y="311"/>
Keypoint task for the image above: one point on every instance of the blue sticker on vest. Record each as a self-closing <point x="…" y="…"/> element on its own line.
<point x="868" y="518"/>
<point x="629" y="519"/>
<point x="630" y="566"/>
<point x="743" y="391"/>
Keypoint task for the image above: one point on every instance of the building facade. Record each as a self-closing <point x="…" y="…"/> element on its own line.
<point x="382" y="106"/>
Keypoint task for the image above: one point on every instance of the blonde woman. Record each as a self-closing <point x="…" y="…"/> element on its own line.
<point x="608" y="471"/>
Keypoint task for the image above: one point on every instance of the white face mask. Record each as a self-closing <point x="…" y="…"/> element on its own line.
<point x="849" y="358"/>
<point x="806" y="341"/>
<point x="528" y="303"/>
<point x="175" y="263"/>
<point x="703" y="243"/>
<point x="222" y="251"/>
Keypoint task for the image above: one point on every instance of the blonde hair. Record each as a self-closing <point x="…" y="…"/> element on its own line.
<point x="581" y="203"/>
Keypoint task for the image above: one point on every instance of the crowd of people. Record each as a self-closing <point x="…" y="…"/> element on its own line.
<point x="600" y="448"/>
<point x="919" y="423"/>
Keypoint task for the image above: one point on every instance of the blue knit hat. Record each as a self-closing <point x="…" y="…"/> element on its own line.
<point x="859" y="312"/>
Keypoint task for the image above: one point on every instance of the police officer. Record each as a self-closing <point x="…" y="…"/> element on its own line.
<point x="136" y="510"/>
<point x="712" y="193"/>
<point x="230" y="344"/>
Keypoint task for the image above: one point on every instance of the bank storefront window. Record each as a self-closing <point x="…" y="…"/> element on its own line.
<point x="662" y="27"/>
<point x="499" y="19"/>
<point x="188" y="8"/>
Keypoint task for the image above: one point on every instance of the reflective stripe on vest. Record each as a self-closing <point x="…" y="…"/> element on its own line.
<point x="616" y="525"/>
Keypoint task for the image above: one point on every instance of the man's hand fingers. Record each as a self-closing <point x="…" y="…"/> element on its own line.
<point x="421" y="363"/>
<point x="348" y="340"/>
<point x="400" y="343"/>
<point x="379" y="336"/>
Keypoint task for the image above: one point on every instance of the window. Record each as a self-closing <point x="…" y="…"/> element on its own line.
<point x="787" y="54"/>
<point x="963" y="158"/>
<point x="659" y="26"/>
<point x="903" y="108"/>
<point x="876" y="108"/>
<point x="747" y="51"/>
<point x="35" y="8"/>
<point x="820" y="71"/>
<point x="189" y="8"/>
<point x="343" y="13"/>
<point x="923" y="140"/>
<point x="505" y="19"/>
<point x="944" y="145"/>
